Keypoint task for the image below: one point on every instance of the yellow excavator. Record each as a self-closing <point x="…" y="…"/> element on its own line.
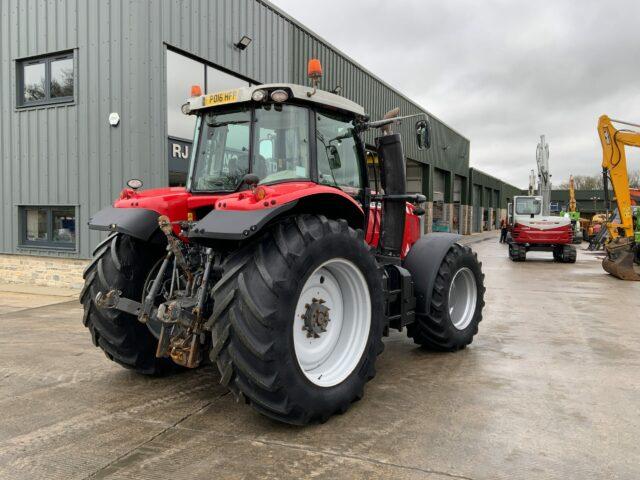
<point x="623" y="251"/>
<point x="572" y="194"/>
<point x="573" y="214"/>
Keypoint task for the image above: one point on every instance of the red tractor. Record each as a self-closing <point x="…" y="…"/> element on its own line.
<point x="531" y="231"/>
<point x="277" y="263"/>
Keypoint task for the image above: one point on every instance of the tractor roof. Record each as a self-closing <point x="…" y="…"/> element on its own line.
<point x="299" y="92"/>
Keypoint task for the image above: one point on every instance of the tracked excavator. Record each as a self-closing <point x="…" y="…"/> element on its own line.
<point x="532" y="227"/>
<point x="623" y="251"/>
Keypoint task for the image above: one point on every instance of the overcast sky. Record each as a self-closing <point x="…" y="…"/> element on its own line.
<point x="500" y="72"/>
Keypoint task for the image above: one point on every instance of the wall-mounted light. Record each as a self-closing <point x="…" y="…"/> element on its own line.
<point x="114" y="119"/>
<point x="244" y="42"/>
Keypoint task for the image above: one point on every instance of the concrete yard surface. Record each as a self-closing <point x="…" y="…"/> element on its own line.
<point x="549" y="389"/>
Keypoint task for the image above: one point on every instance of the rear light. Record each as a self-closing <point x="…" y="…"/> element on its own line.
<point x="127" y="193"/>
<point x="260" y="193"/>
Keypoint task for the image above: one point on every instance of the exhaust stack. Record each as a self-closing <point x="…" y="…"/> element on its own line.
<point x="394" y="181"/>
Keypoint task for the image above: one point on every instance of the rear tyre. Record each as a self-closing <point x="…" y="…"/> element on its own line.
<point x="121" y="262"/>
<point x="456" y="303"/>
<point x="266" y="351"/>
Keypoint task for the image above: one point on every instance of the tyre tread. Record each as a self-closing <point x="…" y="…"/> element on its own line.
<point x="431" y="329"/>
<point x="123" y="339"/>
<point x="246" y="358"/>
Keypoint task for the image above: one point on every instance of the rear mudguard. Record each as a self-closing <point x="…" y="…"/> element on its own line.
<point x="139" y="223"/>
<point x="423" y="261"/>
<point x="236" y="224"/>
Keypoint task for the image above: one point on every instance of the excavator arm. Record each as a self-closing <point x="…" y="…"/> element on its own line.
<point x="622" y="251"/>
<point x="572" y="194"/>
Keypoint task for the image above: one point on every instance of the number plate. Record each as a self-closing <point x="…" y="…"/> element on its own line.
<point x="221" y="98"/>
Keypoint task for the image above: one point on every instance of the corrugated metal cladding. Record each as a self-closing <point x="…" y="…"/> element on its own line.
<point x="362" y="87"/>
<point x="70" y="155"/>
<point x="57" y="154"/>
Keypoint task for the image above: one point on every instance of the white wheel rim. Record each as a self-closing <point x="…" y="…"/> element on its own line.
<point x="331" y="357"/>
<point x="462" y="298"/>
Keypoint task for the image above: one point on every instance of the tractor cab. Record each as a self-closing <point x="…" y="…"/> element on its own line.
<point x="292" y="146"/>
<point x="271" y="134"/>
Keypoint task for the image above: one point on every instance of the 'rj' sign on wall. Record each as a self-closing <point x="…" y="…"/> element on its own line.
<point x="179" y="152"/>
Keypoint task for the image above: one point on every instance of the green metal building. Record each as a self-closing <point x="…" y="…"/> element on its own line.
<point x="90" y="96"/>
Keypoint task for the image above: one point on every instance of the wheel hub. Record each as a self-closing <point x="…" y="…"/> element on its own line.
<point x="462" y="298"/>
<point x="316" y="318"/>
<point x="329" y="347"/>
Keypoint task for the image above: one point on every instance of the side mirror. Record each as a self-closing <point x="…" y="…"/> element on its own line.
<point x="423" y="135"/>
<point x="334" y="157"/>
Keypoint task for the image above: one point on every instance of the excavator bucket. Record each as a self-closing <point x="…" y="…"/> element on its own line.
<point x="622" y="265"/>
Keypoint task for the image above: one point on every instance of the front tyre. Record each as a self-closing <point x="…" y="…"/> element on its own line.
<point x="456" y="303"/>
<point x="297" y="320"/>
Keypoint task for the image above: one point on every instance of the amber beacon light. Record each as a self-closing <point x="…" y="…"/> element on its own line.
<point x="314" y="72"/>
<point x="196" y="90"/>
<point x="314" y="69"/>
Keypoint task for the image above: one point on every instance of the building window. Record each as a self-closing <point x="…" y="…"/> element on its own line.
<point x="45" y="80"/>
<point x="183" y="72"/>
<point x="49" y="227"/>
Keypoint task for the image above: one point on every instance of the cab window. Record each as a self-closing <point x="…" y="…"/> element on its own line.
<point x="337" y="154"/>
<point x="281" y="148"/>
<point x="223" y="154"/>
<point x="528" y="206"/>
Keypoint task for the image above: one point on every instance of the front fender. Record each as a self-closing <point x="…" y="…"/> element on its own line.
<point x="423" y="262"/>
<point x="137" y="222"/>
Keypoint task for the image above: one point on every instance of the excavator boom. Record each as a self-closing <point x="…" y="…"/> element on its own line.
<point x="572" y="194"/>
<point x="622" y="251"/>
